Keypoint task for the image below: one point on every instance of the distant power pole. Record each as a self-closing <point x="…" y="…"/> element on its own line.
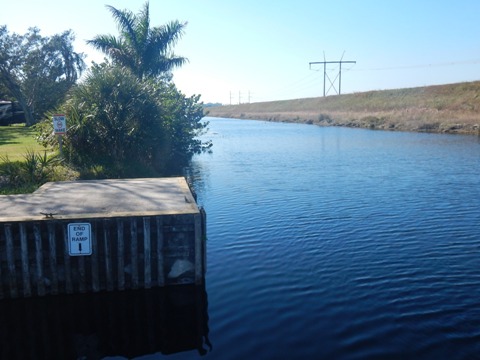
<point x="339" y="76"/>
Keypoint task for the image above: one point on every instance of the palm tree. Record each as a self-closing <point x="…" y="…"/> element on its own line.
<point x="146" y="51"/>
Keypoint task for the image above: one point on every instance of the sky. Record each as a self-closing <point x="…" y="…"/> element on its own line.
<point x="260" y="50"/>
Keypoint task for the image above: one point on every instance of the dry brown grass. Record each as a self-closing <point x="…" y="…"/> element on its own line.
<point x="453" y="108"/>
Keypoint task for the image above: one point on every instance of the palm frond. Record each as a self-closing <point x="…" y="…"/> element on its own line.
<point x="105" y="43"/>
<point x="170" y="33"/>
<point x="146" y="51"/>
<point x="143" y="24"/>
<point x="126" y="23"/>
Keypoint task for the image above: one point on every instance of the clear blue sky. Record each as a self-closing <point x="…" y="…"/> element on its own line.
<point x="260" y="50"/>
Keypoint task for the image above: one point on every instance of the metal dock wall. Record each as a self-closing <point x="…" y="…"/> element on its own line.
<point x="127" y="253"/>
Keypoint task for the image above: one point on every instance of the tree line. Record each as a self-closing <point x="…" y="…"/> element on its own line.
<point x="125" y="116"/>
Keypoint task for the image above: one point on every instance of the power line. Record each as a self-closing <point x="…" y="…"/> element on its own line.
<point x="422" y="66"/>
<point x="240" y="98"/>
<point x="307" y="82"/>
<point x="325" y="75"/>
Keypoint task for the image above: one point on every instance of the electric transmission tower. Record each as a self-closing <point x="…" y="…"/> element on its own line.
<point x="325" y="75"/>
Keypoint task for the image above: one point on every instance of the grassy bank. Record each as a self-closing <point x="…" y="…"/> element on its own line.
<point x="453" y="108"/>
<point x="25" y="165"/>
<point x="16" y="141"/>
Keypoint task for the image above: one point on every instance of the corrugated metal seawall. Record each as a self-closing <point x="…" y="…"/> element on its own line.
<point x="42" y="256"/>
<point x="127" y="253"/>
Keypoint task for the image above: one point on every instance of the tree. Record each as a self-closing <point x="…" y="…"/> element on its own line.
<point x="182" y="121"/>
<point x="146" y="51"/>
<point x="38" y="71"/>
<point x="128" y="126"/>
<point x="126" y="118"/>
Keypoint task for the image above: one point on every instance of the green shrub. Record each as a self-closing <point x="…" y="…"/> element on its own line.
<point x="127" y="126"/>
<point x="29" y="174"/>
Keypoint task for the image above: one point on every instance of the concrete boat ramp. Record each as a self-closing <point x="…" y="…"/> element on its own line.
<point x="100" y="198"/>
<point x="90" y="236"/>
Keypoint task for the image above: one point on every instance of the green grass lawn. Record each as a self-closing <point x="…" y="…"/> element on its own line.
<point x="16" y="141"/>
<point x="23" y="164"/>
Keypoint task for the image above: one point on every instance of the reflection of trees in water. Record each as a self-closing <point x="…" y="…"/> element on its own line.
<point x="197" y="175"/>
<point x="128" y="323"/>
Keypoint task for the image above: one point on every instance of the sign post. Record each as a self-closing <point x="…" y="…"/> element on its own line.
<point x="60" y="129"/>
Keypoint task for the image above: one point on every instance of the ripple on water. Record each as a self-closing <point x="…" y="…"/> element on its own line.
<point x="338" y="243"/>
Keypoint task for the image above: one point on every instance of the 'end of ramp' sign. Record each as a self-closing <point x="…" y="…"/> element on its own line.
<point x="79" y="239"/>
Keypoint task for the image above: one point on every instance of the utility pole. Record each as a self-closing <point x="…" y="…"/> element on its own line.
<point x="339" y="76"/>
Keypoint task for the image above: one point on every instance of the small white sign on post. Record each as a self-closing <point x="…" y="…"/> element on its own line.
<point x="79" y="239"/>
<point x="59" y="124"/>
<point x="60" y="129"/>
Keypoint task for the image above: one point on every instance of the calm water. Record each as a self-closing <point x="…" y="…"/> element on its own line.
<point x="340" y="243"/>
<point x="323" y="243"/>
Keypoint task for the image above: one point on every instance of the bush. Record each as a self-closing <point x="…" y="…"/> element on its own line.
<point x="126" y="126"/>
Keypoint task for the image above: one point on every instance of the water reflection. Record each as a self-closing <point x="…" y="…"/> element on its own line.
<point x="93" y="326"/>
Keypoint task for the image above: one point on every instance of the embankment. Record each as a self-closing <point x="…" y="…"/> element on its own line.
<point x="452" y="108"/>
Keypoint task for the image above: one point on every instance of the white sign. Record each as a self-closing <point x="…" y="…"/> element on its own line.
<point x="59" y="124"/>
<point x="79" y="239"/>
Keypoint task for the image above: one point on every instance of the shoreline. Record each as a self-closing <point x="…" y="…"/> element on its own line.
<point x="367" y="122"/>
<point x="451" y="109"/>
